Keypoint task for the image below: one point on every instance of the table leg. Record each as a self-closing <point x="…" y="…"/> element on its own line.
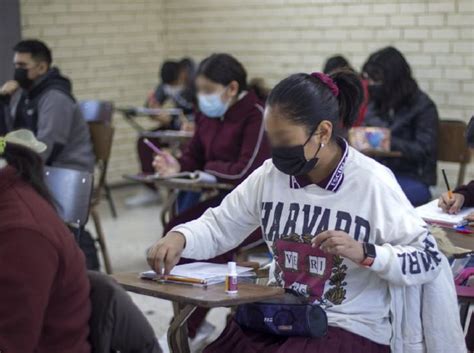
<point x="168" y="212"/>
<point x="178" y="330"/>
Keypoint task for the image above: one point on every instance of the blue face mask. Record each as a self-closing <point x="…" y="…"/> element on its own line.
<point x="212" y="105"/>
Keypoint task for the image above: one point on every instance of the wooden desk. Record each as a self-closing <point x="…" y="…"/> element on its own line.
<point x="381" y="154"/>
<point x="173" y="186"/>
<point x="169" y="136"/>
<point x="465" y="241"/>
<point x="187" y="298"/>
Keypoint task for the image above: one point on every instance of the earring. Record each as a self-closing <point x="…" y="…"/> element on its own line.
<point x="322" y="145"/>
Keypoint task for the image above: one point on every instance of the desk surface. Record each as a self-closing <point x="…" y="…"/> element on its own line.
<point x="183" y="184"/>
<point x="465" y="241"/>
<point x="210" y="297"/>
<point x="169" y="135"/>
<point x="381" y="154"/>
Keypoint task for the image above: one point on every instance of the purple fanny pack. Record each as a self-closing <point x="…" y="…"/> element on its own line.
<point x="290" y="316"/>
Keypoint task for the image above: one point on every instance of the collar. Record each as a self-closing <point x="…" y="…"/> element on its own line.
<point x="333" y="181"/>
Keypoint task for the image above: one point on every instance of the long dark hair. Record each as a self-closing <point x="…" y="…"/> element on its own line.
<point x="29" y="166"/>
<point x="307" y="100"/>
<point x="399" y="88"/>
<point x="223" y="69"/>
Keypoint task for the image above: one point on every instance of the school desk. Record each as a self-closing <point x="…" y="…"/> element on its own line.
<point x="173" y="187"/>
<point x="465" y="241"/>
<point x="186" y="299"/>
<point x="381" y="154"/>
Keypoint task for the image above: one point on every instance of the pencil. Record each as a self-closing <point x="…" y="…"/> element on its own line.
<point x="189" y="280"/>
<point x="450" y="193"/>
<point x="155" y="149"/>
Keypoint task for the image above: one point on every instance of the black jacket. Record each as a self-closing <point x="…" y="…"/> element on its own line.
<point x="415" y="134"/>
<point x="116" y="324"/>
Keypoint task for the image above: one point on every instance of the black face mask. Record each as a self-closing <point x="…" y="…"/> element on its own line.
<point x="21" y="76"/>
<point x="291" y="160"/>
<point x="376" y="92"/>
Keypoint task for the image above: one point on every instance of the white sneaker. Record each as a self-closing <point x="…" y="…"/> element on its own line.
<point x="201" y="339"/>
<point x="197" y="344"/>
<point x="143" y="198"/>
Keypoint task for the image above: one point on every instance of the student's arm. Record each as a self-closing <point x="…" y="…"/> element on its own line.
<point x="407" y="253"/>
<point x="28" y="264"/>
<point x="468" y="192"/>
<point x="250" y="157"/>
<point x="193" y="157"/>
<point x="425" y="138"/>
<point x="55" y="119"/>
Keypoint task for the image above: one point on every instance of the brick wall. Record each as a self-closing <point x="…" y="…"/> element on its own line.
<point x="112" y="49"/>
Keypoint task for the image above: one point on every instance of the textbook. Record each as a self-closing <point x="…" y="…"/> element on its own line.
<point x="205" y="271"/>
<point x="432" y="214"/>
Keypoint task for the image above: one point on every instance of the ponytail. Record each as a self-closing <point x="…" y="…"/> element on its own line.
<point x="350" y="95"/>
<point x="29" y="166"/>
<point x="257" y="85"/>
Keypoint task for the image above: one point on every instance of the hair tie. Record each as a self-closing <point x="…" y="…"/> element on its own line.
<point x="328" y="81"/>
<point x="3" y="145"/>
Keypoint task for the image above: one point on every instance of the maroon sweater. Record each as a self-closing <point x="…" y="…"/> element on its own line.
<point x="44" y="295"/>
<point x="230" y="148"/>
<point x="468" y="192"/>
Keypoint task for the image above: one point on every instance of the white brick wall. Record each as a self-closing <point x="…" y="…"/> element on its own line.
<point x="112" y="48"/>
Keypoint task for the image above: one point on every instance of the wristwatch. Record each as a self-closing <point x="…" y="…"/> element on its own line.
<point x="369" y="254"/>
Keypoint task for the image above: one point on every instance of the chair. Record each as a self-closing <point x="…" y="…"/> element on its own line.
<point x="100" y="112"/>
<point x="102" y="137"/>
<point x="452" y="146"/>
<point x="72" y="193"/>
<point x="465" y="295"/>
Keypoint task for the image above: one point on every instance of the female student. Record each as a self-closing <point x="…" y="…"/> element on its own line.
<point x="322" y="199"/>
<point x="44" y="297"/>
<point x="229" y="141"/>
<point x="397" y="103"/>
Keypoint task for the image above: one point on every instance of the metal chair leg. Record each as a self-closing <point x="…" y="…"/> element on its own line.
<point x="108" y="195"/>
<point x="101" y="241"/>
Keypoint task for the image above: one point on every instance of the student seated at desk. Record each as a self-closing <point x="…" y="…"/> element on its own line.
<point x="319" y="197"/>
<point x="176" y="90"/>
<point x="40" y="99"/>
<point x="229" y="142"/>
<point x="44" y="296"/>
<point x="397" y="103"/>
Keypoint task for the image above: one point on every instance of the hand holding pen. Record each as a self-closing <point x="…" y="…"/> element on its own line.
<point x="164" y="163"/>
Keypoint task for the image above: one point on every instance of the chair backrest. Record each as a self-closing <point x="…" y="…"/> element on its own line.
<point x="102" y="136"/>
<point x="97" y="111"/>
<point x="452" y="145"/>
<point x="72" y="192"/>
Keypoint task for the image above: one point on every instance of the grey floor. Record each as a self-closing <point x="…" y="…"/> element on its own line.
<point x="127" y="237"/>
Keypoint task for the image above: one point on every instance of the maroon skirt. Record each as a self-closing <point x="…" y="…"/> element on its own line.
<point x="235" y="339"/>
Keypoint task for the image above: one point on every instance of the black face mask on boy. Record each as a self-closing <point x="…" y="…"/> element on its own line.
<point x="21" y="76"/>
<point x="292" y="161"/>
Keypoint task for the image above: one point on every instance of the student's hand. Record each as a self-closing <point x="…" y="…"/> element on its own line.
<point x="470" y="217"/>
<point x="451" y="205"/>
<point x="9" y="87"/>
<point x="340" y="243"/>
<point x="188" y="126"/>
<point x="166" y="252"/>
<point x="165" y="164"/>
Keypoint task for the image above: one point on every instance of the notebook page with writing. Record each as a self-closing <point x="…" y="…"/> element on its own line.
<point x="431" y="213"/>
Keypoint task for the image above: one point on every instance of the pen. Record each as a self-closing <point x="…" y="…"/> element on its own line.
<point x="155" y="149"/>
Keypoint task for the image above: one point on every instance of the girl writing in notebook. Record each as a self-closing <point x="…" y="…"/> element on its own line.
<point x="229" y="143"/>
<point x="338" y="224"/>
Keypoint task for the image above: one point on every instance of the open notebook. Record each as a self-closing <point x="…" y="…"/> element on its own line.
<point x="211" y="273"/>
<point x="431" y="213"/>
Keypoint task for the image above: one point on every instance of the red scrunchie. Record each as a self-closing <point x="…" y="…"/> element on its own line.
<point x="328" y="81"/>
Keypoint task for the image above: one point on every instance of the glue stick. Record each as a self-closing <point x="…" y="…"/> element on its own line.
<point x="231" y="278"/>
